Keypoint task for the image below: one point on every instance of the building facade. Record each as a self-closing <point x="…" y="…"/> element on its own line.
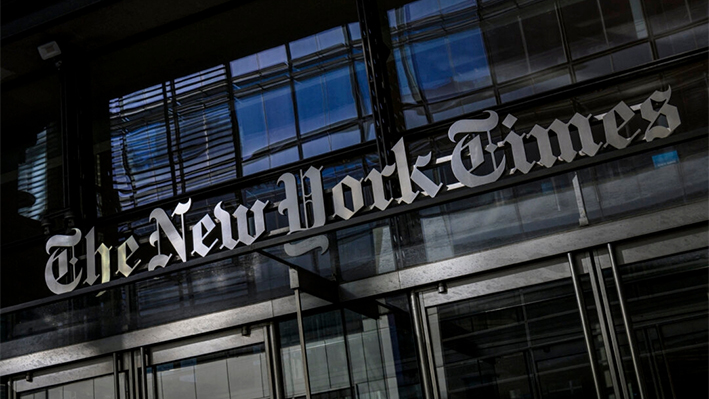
<point x="355" y="199"/>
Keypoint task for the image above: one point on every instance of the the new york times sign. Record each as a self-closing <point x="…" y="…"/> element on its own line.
<point x="246" y="225"/>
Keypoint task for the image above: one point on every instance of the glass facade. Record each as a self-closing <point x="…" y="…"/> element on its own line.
<point x="276" y="107"/>
<point x="276" y="208"/>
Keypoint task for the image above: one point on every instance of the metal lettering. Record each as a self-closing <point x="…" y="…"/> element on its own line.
<point x="177" y="240"/>
<point x="468" y="156"/>
<point x="198" y="236"/>
<point x="563" y="134"/>
<point x="519" y="155"/>
<point x="242" y="222"/>
<point x="647" y="111"/>
<point x="418" y="177"/>
<point x="307" y="245"/>
<point x="123" y="256"/>
<point x="91" y="252"/>
<point x="402" y="168"/>
<point x="61" y="256"/>
<point x="338" y="197"/>
<point x="313" y="200"/>
<point x="224" y="219"/>
<point x="290" y="205"/>
<point x="611" y="128"/>
<point x="375" y="178"/>
<point x="474" y="148"/>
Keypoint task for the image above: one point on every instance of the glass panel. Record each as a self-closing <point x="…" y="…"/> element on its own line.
<point x="439" y="53"/>
<point x="633" y="56"/>
<point x="645" y="181"/>
<point x="525" y="43"/>
<point x="351" y="355"/>
<point x="238" y="373"/>
<point x="95" y="388"/>
<point x="666" y="302"/>
<point x="183" y="134"/>
<point x="501" y="217"/>
<point x="593" y="26"/>
<point x="680" y="42"/>
<point x="524" y="343"/>
<point x="666" y="15"/>
<point x="203" y="145"/>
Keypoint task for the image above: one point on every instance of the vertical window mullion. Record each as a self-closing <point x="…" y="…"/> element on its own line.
<point x="168" y="135"/>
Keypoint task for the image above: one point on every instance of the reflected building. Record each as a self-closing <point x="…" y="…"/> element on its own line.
<point x="355" y="199"/>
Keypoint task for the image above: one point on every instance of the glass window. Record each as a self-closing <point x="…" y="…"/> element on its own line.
<point x="447" y="54"/>
<point x="667" y="15"/>
<point x="439" y="54"/>
<point x="592" y="26"/>
<point x="185" y="134"/>
<point x="522" y="43"/>
<point x="680" y="42"/>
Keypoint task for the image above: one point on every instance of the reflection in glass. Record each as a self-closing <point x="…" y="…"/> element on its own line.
<point x="666" y="15"/>
<point x="265" y="119"/>
<point x="351" y="355"/>
<point x="300" y="99"/>
<point x="439" y="54"/>
<point x="663" y="177"/>
<point x="95" y="388"/>
<point x="526" y="44"/>
<point x="171" y="138"/>
<point x="666" y="302"/>
<point x="524" y="343"/>
<point x="683" y="41"/>
<point x="238" y="373"/>
<point x="595" y="26"/>
<point x="32" y="179"/>
<point x="492" y="219"/>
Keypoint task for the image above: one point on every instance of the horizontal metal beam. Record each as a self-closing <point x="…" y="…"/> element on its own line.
<point x="539" y="272"/>
<point x="204" y="346"/>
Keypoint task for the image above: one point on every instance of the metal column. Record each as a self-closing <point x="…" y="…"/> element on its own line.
<point x="426" y="372"/>
<point x="301" y="335"/>
<point x="116" y="379"/>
